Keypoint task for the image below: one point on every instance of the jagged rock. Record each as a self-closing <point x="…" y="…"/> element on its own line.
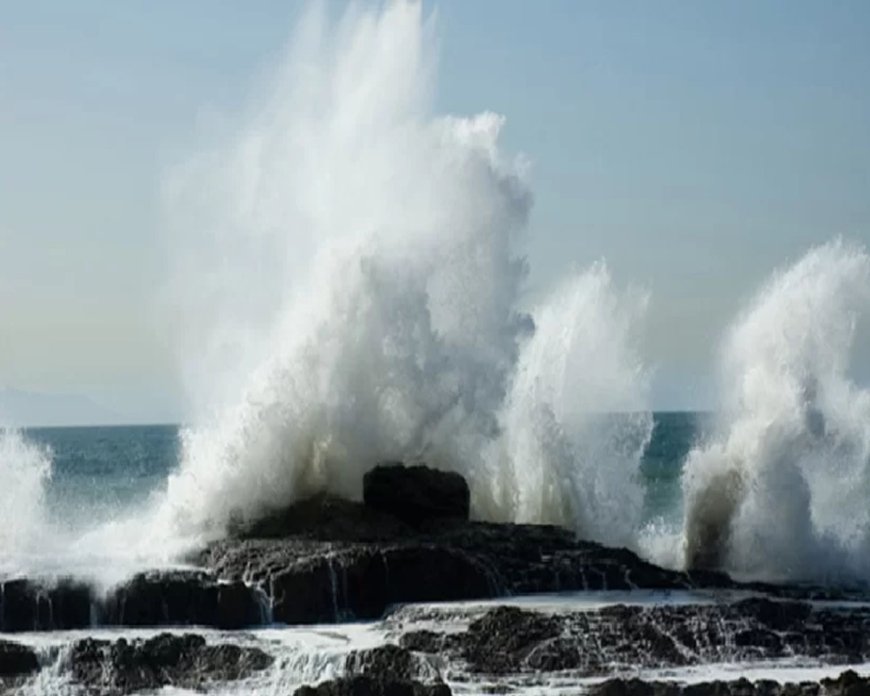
<point x="847" y="684"/>
<point x="31" y="605"/>
<point x="416" y="493"/>
<point x="598" y="642"/>
<point x="181" y="597"/>
<point x="185" y="661"/>
<point x="507" y="636"/>
<point x="390" y="662"/>
<point x="367" y="686"/>
<point x="16" y="660"/>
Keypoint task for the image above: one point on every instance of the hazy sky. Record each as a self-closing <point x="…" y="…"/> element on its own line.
<point x="694" y="145"/>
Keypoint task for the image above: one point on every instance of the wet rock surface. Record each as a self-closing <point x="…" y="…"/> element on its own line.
<point x="181" y="598"/>
<point x="27" y="605"/>
<point x="187" y="661"/>
<point x="368" y="686"/>
<point x="16" y="660"/>
<point x="155" y="598"/>
<point x="847" y="684"/>
<point x="391" y="662"/>
<point x="510" y="640"/>
<point x="326" y="560"/>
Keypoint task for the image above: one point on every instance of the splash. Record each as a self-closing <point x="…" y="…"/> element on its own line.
<point x="576" y="418"/>
<point x="782" y="491"/>
<point x="349" y="291"/>
<point x="25" y="469"/>
<point x="49" y="539"/>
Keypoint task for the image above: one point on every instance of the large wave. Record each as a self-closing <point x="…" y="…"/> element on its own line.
<point x="350" y="291"/>
<point x="782" y="490"/>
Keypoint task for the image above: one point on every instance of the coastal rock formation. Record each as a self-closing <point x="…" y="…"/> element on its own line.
<point x="416" y="494"/>
<point x="391" y="662"/>
<point x="16" y="660"/>
<point x="326" y="559"/>
<point x="367" y="686"/>
<point x="509" y="640"/>
<point x="26" y="605"/>
<point x="311" y="579"/>
<point x="181" y="597"/>
<point x="324" y="517"/>
<point x="847" y="684"/>
<point x="311" y="582"/>
<point x="186" y="661"/>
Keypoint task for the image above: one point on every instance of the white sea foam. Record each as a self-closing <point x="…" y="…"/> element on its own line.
<point x="25" y="469"/>
<point x="349" y="289"/>
<point x="781" y="491"/>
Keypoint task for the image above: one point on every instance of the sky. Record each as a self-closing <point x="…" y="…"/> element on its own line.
<point x="694" y="145"/>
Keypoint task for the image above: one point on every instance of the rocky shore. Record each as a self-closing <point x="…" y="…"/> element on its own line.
<point x="328" y="560"/>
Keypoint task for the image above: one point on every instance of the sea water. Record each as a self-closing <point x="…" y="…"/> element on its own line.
<point x="95" y="473"/>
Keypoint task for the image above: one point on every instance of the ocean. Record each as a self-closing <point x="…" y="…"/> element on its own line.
<point x="348" y="282"/>
<point x="98" y="472"/>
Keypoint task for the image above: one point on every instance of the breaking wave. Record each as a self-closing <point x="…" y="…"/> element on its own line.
<point x="351" y="290"/>
<point x="781" y="491"/>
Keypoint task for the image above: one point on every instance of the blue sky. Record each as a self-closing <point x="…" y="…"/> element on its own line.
<point x="694" y="145"/>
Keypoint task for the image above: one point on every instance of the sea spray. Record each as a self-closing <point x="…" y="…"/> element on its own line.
<point x="25" y="469"/>
<point x="781" y="491"/>
<point x="350" y="289"/>
<point x="576" y="421"/>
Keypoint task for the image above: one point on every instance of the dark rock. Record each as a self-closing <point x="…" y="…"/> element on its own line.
<point x="776" y="615"/>
<point x="185" y="661"/>
<point x="387" y="662"/>
<point x="239" y="606"/>
<point x="181" y="597"/>
<point x="510" y="640"/>
<point x="313" y="582"/>
<point x="504" y="638"/>
<point x="310" y="580"/>
<point x="847" y="684"/>
<point x="634" y="687"/>
<point x="426" y="641"/>
<point x="29" y="605"/>
<point x="343" y="560"/>
<point x="16" y="660"/>
<point x="367" y="686"/>
<point x="324" y="517"/>
<point x="362" y="583"/>
<point x="416" y="493"/>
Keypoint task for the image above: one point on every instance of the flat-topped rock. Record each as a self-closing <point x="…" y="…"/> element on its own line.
<point x="415" y="494"/>
<point x="324" y="517"/>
